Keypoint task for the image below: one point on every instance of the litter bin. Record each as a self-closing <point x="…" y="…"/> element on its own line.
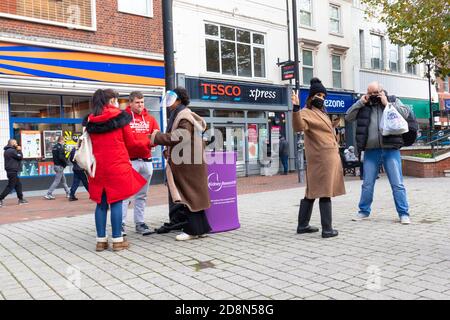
<point x="222" y="184"/>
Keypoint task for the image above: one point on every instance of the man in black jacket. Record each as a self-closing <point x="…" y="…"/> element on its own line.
<point x="78" y="175"/>
<point x="60" y="162"/>
<point x="13" y="161"/>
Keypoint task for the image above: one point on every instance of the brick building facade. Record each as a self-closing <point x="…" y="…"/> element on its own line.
<point x="55" y="53"/>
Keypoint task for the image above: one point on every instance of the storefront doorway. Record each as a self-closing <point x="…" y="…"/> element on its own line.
<point x="234" y="140"/>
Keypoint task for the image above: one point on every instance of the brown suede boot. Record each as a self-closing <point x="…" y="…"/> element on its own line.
<point x="120" y="244"/>
<point x="102" y="244"/>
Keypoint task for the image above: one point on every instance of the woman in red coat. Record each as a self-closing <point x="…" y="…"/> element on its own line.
<point x="115" y="179"/>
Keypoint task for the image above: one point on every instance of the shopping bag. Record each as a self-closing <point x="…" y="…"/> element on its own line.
<point x="84" y="155"/>
<point x="392" y="123"/>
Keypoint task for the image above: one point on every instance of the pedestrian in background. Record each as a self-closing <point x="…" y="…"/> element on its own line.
<point x="324" y="173"/>
<point x="79" y="175"/>
<point x="60" y="163"/>
<point x="284" y="154"/>
<point x="13" y="165"/>
<point x="115" y="179"/>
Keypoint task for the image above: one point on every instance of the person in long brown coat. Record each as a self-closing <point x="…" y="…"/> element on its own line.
<point x="324" y="175"/>
<point x="186" y="170"/>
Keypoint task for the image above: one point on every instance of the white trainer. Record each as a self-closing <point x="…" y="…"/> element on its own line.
<point x="184" y="237"/>
<point x="405" y="219"/>
<point x="360" y="217"/>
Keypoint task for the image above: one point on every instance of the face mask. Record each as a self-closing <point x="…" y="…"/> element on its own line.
<point x="375" y="99"/>
<point x="116" y="104"/>
<point x="318" y="103"/>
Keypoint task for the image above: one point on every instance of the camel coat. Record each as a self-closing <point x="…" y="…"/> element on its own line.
<point x="324" y="174"/>
<point x="186" y="170"/>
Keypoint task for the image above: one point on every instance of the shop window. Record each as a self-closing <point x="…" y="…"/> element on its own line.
<point x="234" y="52"/>
<point x="76" y="107"/>
<point x="256" y="114"/>
<point x="24" y="105"/>
<point x="228" y="114"/>
<point x="202" y="112"/>
<point x="37" y="141"/>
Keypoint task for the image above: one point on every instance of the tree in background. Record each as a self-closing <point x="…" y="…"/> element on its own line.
<point x="422" y="24"/>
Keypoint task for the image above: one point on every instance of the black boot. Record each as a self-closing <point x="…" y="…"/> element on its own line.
<point x="304" y="215"/>
<point x="325" y="216"/>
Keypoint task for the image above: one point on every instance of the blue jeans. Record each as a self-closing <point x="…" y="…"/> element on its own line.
<point x="391" y="160"/>
<point x="101" y="213"/>
<point x="284" y="161"/>
<point x="78" y="176"/>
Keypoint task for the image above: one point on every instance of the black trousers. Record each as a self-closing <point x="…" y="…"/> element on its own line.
<point x="192" y="223"/>
<point x="13" y="183"/>
<point x="77" y="177"/>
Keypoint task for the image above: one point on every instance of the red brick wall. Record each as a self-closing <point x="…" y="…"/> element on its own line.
<point x="114" y="29"/>
<point x="425" y="170"/>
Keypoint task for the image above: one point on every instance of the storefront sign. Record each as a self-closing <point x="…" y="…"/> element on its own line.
<point x="50" y="139"/>
<point x="288" y="71"/>
<point x="29" y="61"/>
<point x="31" y="144"/>
<point x="334" y="103"/>
<point x="235" y="92"/>
<point x="447" y="104"/>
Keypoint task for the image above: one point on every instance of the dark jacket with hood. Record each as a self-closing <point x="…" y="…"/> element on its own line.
<point x="59" y="155"/>
<point x="13" y="159"/>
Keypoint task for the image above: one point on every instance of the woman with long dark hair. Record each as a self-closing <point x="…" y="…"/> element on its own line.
<point x="115" y="179"/>
<point x="186" y="170"/>
<point x="324" y="176"/>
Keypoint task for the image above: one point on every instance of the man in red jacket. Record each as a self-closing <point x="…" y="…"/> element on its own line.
<point x="142" y="125"/>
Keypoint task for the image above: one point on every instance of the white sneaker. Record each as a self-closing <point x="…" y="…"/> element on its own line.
<point x="49" y="197"/>
<point x="360" y="217"/>
<point x="405" y="219"/>
<point x="184" y="237"/>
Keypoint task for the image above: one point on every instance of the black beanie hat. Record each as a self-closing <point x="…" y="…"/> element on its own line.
<point x="316" y="87"/>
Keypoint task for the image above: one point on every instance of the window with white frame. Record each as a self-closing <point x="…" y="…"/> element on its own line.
<point x="377" y="52"/>
<point x="446" y="84"/>
<point x="235" y="52"/>
<point x="77" y="14"/>
<point x="409" y="67"/>
<point x="336" y="67"/>
<point x="394" y="61"/>
<point x="306" y="13"/>
<point x="335" y="18"/>
<point x="137" y="7"/>
<point x="307" y="66"/>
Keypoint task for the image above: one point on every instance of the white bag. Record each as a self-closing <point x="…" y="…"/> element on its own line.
<point x="392" y="123"/>
<point x="84" y="155"/>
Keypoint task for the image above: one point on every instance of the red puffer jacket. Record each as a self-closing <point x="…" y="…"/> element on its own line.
<point x="111" y="138"/>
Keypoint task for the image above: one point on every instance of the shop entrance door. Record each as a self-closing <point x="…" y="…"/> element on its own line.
<point x="234" y="140"/>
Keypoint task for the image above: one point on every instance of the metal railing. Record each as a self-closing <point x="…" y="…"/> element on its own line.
<point x="440" y="145"/>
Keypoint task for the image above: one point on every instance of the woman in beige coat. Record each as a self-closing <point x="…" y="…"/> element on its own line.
<point x="324" y="175"/>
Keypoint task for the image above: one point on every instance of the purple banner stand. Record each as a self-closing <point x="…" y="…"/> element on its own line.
<point x="222" y="183"/>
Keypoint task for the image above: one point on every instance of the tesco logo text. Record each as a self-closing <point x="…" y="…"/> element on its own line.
<point x="221" y="90"/>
